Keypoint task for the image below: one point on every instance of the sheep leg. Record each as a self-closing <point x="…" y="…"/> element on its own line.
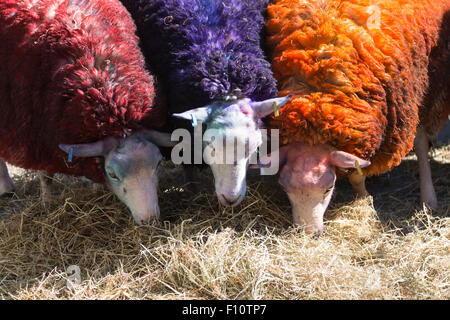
<point x="358" y="182"/>
<point x="6" y="183"/>
<point x="190" y="180"/>
<point x="421" y="147"/>
<point x="46" y="187"/>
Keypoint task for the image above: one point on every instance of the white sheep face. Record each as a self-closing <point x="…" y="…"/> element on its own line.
<point x="131" y="165"/>
<point x="232" y="137"/>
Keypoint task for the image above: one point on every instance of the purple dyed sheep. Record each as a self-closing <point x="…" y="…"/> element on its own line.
<point x="208" y="54"/>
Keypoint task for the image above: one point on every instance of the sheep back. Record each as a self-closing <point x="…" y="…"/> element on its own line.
<point x="203" y="50"/>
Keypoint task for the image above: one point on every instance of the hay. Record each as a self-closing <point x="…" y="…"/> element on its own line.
<point x="384" y="247"/>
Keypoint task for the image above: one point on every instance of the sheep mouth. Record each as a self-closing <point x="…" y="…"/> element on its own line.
<point x="230" y="202"/>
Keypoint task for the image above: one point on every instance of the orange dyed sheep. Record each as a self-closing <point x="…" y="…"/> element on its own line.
<point x="360" y="70"/>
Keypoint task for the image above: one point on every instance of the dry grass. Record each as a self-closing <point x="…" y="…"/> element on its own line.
<point x="381" y="248"/>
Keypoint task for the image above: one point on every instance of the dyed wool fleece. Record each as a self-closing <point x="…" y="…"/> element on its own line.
<point x="359" y="70"/>
<point x="71" y="72"/>
<point x="204" y="50"/>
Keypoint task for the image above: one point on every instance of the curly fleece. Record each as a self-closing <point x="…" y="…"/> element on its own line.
<point x="70" y="72"/>
<point x="359" y="70"/>
<point x="203" y="50"/>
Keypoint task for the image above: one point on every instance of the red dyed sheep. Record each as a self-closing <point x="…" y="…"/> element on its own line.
<point x="72" y="78"/>
<point x="359" y="70"/>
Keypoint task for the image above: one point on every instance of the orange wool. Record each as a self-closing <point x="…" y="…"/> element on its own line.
<point x="359" y="70"/>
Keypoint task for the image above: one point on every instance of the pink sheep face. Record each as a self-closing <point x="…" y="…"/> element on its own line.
<point x="308" y="176"/>
<point x="308" y="179"/>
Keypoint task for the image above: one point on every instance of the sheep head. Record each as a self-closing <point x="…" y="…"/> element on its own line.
<point x="308" y="175"/>
<point x="130" y="166"/>
<point x="232" y="136"/>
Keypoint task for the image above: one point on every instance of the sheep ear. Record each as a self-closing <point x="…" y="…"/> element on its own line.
<point x="343" y="159"/>
<point x="161" y="139"/>
<point x="198" y="114"/>
<point x="266" y="107"/>
<point x="94" y="149"/>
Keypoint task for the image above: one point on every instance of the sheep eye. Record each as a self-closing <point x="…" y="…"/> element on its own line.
<point x="113" y="176"/>
<point x="328" y="190"/>
<point x="159" y="163"/>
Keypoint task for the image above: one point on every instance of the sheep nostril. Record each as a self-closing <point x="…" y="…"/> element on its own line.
<point x="152" y="219"/>
<point x="317" y="234"/>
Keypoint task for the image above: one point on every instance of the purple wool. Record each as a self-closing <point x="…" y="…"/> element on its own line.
<point x="203" y="50"/>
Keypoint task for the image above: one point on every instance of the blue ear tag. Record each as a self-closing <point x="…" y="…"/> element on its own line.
<point x="261" y="168"/>
<point x="194" y="120"/>
<point x="228" y="59"/>
<point x="260" y="165"/>
<point x="70" y="154"/>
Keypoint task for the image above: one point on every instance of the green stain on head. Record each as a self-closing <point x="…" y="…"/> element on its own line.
<point x="118" y="169"/>
<point x="226" y="116"/>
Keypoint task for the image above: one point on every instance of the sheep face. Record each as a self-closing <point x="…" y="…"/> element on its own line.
<point x="131" y="166"/>
<point x="232" y="136"/>
<point x="131" y="170"/>
<point x="228" y="156"/>
<point x="308" y="176"/>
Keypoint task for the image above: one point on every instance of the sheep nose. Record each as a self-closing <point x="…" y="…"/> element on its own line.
<point x="316" y="235"/>
<point x="231" y="201"/>
<point x="148" y="218"/>
<point x="152" y="219"/>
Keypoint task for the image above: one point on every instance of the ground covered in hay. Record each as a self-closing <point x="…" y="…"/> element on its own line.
<point x="385" y="247"/>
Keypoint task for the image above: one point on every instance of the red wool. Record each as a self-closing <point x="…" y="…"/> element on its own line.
<point x="70" y="72"/>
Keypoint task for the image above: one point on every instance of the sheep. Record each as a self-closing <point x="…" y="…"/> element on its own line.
<point x="208" y="55"/>
<point x="359" y="70"/>
<point x="76" y="99"/>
